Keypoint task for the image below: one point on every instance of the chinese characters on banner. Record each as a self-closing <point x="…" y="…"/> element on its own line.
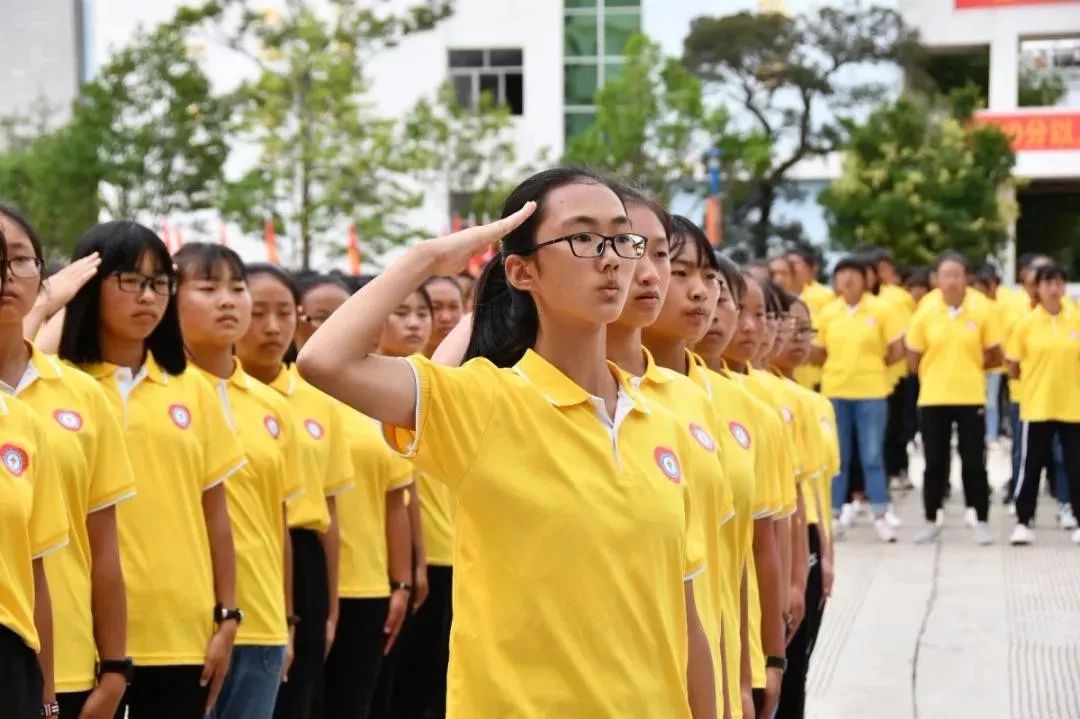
<point x="962" y="4"/>
<point x="1036" y="130"/>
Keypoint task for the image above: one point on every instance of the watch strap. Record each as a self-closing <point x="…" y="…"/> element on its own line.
<point x="776" y="663"/>
<point x="400" y="586"/>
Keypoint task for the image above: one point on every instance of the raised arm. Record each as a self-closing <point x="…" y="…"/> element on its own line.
<point x="338" y="358"/>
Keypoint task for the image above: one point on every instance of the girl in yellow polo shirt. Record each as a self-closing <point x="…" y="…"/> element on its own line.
<point x="327" y="472"/>
<point x="954" y="337"/>
<point x="88" y="448"/>
<point x="375" y="571"/>
<point x="1044" y="351"/>
<point x="215" y="311"/>
<point x="176" y="541"/>
<point x="566" y="479"/>
<point x="858" y="337"/>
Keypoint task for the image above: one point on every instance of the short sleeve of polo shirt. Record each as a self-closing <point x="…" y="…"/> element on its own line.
<point x="915" y="339"/>
<point x="892" y="320"/>
<point x="292" y="481"/>
<point x="1015" y="346"/>
<point x="399" y="473"/>
<point x="48" y="512"/>
<point x="222" y="453"/>
<point x="454" y="406"/>
<point x="111" y="477"/>
<point x="821" y="339"/>
<point x="342" y="471"/>
<point x="993" y="328"/>
<point x="695" y="538"/>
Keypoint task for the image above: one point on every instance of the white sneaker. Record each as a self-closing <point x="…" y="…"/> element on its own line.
<point x="1022" y="535"/>
<point x="1066" y="518"/>
<point x="894" y="521"/>
<point x="982" y="534"/>
<point x="1076" y="537"/>
<point x="1012" y="509"/>
<point x="883" y="531"/>
<point x="839" y="528"/>
<point x="848" y="514"/>
<point x="970" y="518"/>
<point x="930" y="534"/>
<point x="939" y="519"/>
<point x="862" y="509"/>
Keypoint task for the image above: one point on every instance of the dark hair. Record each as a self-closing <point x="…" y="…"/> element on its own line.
<point x="805" y="254"/>
<point x="201" y="260"/>
<point x="796" y="300"/>
<point x="950" y="256"/>
<point x="1047" y="273"/>
<point x="874" y="255"/>
<point x="850" y="262"/>
<point x="422" y="291"/>
<point x="774" y="297"/>
<point x="505" y="321"/>
<point x="266" y="268"/>
<point x="363" y="280"/>
<point x="989" y="272"/>
<point x="684" y="230"/>
<point x="778" y="258"/>
<point x="444" y="278"/>
<point x="917" y="277"/>
<point x="121" y="244"/>
<point x="310" y="280"/>
<point x="732" y="276"/>
<point x="631" y="195"/>
<point x="24" y="224"/>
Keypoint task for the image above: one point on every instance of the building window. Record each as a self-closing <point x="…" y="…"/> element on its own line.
<point x="595" y="35"/>
<point x="499" y="72"/>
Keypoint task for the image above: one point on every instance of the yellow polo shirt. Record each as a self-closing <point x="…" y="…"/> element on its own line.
<point x="181" y="445"/>
<point x="743" y="460"/>
<point x="257" y="494"/>
<point x="437" y="506"/>
<point x="364" y="565"/>
<point x="903" y="306"/>
<point x="1048" y="349"/>
<point x="816" y="296"/>
<point x="765" y="386"/>
<point x="32" y="513"/>
<point x="323" y="447"/>
<point x="557" y="500"/>
<point x="86" y="444"/>
<point x="951" y="342"/>
<point x="711" y="488"/>
<point x="857" y="340"/>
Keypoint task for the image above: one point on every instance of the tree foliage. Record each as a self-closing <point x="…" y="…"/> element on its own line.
<point x="790" y="83"/>
<point x="919" y="181"/>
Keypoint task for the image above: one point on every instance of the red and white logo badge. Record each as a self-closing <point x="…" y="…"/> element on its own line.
<point x="180" y="415"/>
<point x="741" y="434"/>
<point x="272" y="426"/>
<point x="871" y="322"/>
<point x="789" y="416"/>
<point x="668" y="464"/>
<point x="1074" y="335"/>
<point x="971" y="325"/>
<point x="703" y="438"/>
<point x="827" y="426"/>
<point x="14" y="459"/>
<point x="68" y="419"/>
<point x="314" y="428"/>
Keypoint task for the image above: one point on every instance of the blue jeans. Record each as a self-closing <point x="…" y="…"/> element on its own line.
<point x="869" y="416"/>
<point x="993" y="415"/>
<point x="251" y="687"/>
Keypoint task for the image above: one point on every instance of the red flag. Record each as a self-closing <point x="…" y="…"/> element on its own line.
<point x="166" y="236"/>
<point x="270" y="237"/>
<point x="354" y="252"/>
<point x="714" y="228"/>
<point x="223" y="233"/>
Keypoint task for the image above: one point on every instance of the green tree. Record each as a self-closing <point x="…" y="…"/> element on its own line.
<point x="651" y="122"/>
<point x="158" y="128"/>
<point x="325" y="156"/>
<point x="790" y="81"/>
<point x="1040" y="89"/>
<point x="920" y="181"/>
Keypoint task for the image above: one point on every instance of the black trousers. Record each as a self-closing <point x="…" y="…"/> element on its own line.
<point x="1037" y="439"/>
<point x="170" y="692"/>
<point x="71" y="703"/>
<point x="20" y="678"/>
<point x="352" y="668"/>
<point x="793" y="689"/>
<point x="937" y="423"/>
<point x="895" y="450"/>
<point x="419" y="690"/>
<point x="302" y="696"/>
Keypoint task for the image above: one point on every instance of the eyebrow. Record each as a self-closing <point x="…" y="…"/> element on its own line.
<point x="592" y="221"/>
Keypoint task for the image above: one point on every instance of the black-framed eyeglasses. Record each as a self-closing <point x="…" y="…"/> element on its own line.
<point x="24" y="268"/>
<point x="589" y="245"/>
<point x="164" y="285"/>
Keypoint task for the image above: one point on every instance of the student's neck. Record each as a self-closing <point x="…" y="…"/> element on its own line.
<point x="953" y="300"/>
<point x="852" y="301"/>
<point x="580" y="353"/>
<point x="800" y="286"/>
<point x="14" y="354"/>
<point x="668" y="353"/>
<point x="715" y="362"/>
<point x="123" y="352"/>
<point x="624" y="348"/>
<point x="788" y="372"/>
<point x="264" y="373"/>
<point x="1053" y="307"/>
<point x="218" y="361"/>
<point x="737" y="366"/>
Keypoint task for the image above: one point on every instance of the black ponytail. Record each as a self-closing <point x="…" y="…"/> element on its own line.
<point x="505" y="321"/>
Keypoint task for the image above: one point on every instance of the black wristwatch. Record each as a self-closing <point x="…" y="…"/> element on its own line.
<point x="124" y="667"/>
<point x="221" y="614"/>
<point x="292" y="620"/>
<point x="776" y="663"/>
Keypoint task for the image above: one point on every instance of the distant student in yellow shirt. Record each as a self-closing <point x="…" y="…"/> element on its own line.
<point x="328" y="471"/>
<point x="987" y="281"/>
<point x="1044" y="351"/>
<point x="804" y="268"/>
<point x="561" y="469"/>
<point x="87" y="446"/>
<point x="953" y="338"/>
<point x="857" y="339"/>
<point x="447" y="307"/>
<point x="176" y="542"/>
<point x="35" y="524"/>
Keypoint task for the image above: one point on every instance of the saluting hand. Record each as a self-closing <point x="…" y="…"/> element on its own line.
<point x="66" y="283"/>
<point x="452" y="252"/>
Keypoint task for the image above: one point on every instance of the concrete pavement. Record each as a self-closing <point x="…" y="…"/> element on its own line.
<point x="955" y="630"/>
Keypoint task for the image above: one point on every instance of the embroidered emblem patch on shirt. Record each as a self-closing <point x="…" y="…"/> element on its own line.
<point x="314" y="428"/>
<point x="703" y="438"/>
<point x="668" y="464"/>
<point x="14" y="458"/>
<point x="272" y="426"/>
<point x="741" y="434"/>
<point x="68" y="419"/>
<point x="180" y="415"/>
